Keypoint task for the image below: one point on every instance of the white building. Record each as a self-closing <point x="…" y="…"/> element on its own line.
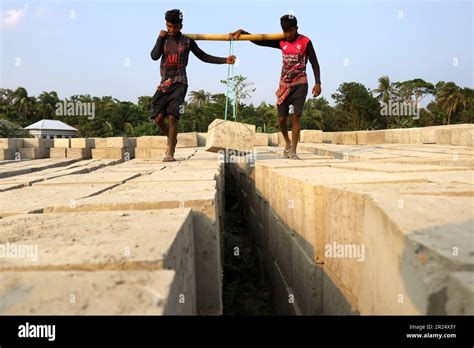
<point x="51" y="129"/>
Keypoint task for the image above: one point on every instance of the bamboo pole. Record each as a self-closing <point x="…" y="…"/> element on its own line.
<point x="243" y="37"/>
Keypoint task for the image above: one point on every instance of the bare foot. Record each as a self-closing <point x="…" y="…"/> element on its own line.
<point x="287" y="149"/>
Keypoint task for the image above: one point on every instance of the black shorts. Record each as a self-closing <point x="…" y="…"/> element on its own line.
<point x="169" y="103"/>
<point x="297" y="97"/>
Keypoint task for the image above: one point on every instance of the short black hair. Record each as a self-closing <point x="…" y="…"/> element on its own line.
<point x="174" y="16"/>
<point x="288" y="21"/>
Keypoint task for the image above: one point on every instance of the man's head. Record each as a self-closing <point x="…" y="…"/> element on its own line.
<point x="174" y="22"/>
<point x="289" y="24"/>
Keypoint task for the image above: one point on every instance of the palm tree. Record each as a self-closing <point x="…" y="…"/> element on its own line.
<point x="22" y="103"/>
<point x="449" y="97"/>
<point x="199" y="98"/>
<point x="385" y="89"/>
<point x="47" y="104"/>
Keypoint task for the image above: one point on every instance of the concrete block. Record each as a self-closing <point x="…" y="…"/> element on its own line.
<point x="460" y="293"/>
<point x="7" y="143"/>
<point x="81" y="153"/>
<point x="80" y="143"/>
<point x="306" y="280"/>
<point x="370" y="137"/>
<point x="198" y="195"/>
<point x="282" y="295"/>
<point x="230" y="135"/>
<point x="311" y="136"/>
<point x="149" y="153"/>
<point x="33" y="152"/>
<point x="98" y="143"/>
<point x="281" y="139"/>
<point x="336" y="301"/>
<point x="261" y="139"/>
<point x="119" y="241"/>
<point x="61" y="142"/>
<point x="274" y="139"/>
<point x="98" y="153"/>
<point x="443" y="136"/>
<point x="34" y="143"/>
<point x="428" y="135"/>
<point x="463" y="136"/>
<point x="397" y="136"/>
<point x="159" y="142"/>
<point x="201" y="139"/>
<point x="117" y="142"/>
<point x="117" y="153"/>
<point x="187" y="140"/>
<point x="349" y="138"/>
<point x="7" y="154"/>
<point x="95" y="293"/>
<point x="57" y="152"/>
<point x="416" y="135"/>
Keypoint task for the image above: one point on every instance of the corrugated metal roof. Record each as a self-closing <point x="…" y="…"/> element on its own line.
<point x="51" y="124"/>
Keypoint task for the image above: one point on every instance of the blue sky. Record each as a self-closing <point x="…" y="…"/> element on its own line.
<point x="82" y="47"/>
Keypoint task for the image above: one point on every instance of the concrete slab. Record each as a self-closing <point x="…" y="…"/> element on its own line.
<point x="12" y="186"/>
<point x="97" y="177"/>
<point x="201" y="196"/>
<point x="90" y="293"/>
<point x="36" y="199"/>
<point x="409" y="240"/>
<point x="127" y="241"/>
<point x="394" y="167"/>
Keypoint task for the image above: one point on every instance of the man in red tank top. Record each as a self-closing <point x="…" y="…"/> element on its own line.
<point x="297" y="49"/>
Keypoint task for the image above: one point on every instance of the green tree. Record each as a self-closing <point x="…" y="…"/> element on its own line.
<point x="384" y="90"/>
<point x="363" y="110"/>
<point x="450" y="98"/>
<point x="243" y="89"/>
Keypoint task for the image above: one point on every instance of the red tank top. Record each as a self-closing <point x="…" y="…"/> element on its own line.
<point x="294" y="59"/>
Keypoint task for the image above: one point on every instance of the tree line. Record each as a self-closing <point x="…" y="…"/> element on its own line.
<point x="356" y="107"/>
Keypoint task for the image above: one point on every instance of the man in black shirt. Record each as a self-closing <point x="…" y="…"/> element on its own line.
<point x="173" y="48"/>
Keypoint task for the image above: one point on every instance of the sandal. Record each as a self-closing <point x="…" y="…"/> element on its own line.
<point x="292" y="155"/>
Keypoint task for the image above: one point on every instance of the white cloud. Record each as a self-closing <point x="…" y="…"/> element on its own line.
<point x="10" y="18"/>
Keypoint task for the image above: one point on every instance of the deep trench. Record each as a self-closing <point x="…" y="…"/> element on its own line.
<point x="246" y="287"/>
